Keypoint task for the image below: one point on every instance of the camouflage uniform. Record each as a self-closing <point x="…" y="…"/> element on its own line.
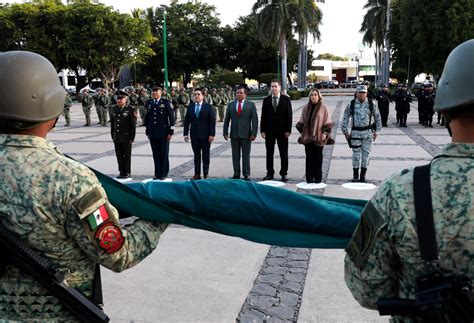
<point x="174" y="101"/>
<point x="360" y="118"/>
<point x="142" y="98"/>
<point x="217" y="102"/>
<point x="66" y="110"/>
<point x="221" y="108"/>
<point x="87" y="102"/>
<point x="383" y="257"/>
<point x="96" y="103"/>
<point x="183" y="102"/>
<point x="113" y="101"/>
<point x="103" y="103"/>
<point x="47" y="199"/>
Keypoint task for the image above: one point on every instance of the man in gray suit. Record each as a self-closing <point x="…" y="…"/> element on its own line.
<point x="244" y="123"/>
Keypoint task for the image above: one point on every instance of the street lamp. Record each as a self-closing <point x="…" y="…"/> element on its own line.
<point x="165" y="55"/>
<point x="278" y="64"/>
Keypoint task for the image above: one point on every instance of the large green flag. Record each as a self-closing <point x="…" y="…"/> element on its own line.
<point x="242" y="209"/>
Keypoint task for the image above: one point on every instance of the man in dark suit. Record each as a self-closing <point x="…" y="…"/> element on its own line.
<point x="201" y="118"/>
<point x="159" y="123"/>
<point x="123" y="123"/>
<point x="277" y="117"/>
<point x="242" y="114"/>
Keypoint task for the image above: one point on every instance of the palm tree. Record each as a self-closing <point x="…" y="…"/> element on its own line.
<point x="276" y="20"/>
<point x="374" y="27"/>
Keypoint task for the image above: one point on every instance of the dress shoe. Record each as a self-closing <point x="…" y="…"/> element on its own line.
<point x="156" y="178"/>
<point x="284" y="179"/>
<point x="206" y="176"/>
<point x="196" y="177"/>
<point x="119" y="176"/>
<point x="126" y="176"/>
<point x="235" y="177"/>
<point x="268" y="177"/>
<point x="246" y="178"/>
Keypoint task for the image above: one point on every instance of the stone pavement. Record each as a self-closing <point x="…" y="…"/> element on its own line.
<point x="199" y="276"/>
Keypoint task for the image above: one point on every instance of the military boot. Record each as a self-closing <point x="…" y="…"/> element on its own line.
<point x="362" y="175"/>
<point x="355" y="177"/>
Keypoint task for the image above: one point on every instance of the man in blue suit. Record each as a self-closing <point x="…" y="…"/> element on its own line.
<point x="159" y="123"/>
<point x="201" y="118"/>
<point x="241" y="114"/>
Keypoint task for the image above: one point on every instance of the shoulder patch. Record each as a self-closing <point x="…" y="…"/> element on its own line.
<point x="364" y="235"/>
<point x="110" y="237"/>
<point x="88" y="203"/>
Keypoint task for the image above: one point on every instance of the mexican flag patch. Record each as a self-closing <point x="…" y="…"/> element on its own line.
<point x="98" y="217"/>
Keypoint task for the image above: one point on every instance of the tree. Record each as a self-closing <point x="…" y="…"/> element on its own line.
<point x="276" y="19"/>
<point x="193" y="31"/>
<point x="331" y="57"/>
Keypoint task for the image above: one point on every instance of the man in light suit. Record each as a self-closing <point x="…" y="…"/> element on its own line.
<point x="202" y="119"/>
<point x="159" y="123"/>
<point x="242" y="114"/>
<point x="277" y="118"/>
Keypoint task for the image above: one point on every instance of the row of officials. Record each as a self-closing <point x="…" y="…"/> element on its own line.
<point x="200" y="129"/>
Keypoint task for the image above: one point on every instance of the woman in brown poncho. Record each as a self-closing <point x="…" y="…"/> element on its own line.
<point x="315" y="127"/>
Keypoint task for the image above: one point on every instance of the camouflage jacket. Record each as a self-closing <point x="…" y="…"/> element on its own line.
<point x="217" y="100"/>
<point x="87" y="101"/>
<point x="67" y="102"/>
<point x="50" y="201"/>
<point x="362" y="117"/>
<point x="383" y="257"/>
<point x="183" y="99"/>
<point x="104" y="101"/>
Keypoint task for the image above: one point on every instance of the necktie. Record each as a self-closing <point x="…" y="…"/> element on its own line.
<point x="198" y="109"/>
<point x="275" y="103"/>
<point x="239" y="109"/>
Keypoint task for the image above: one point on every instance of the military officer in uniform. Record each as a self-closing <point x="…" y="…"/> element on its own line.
<point x="216" y="102"/>
<point x="402" y="100"/>
<point x="383" y="258"/>
<point x="224" y="102"/>
<point x="66" y="110"/>
<point x="103" y="103"/>
<point x="133" y="99"/>
<point x="183" y="102"/>
<point x="428" y="98"/>
<point x="159" y="123"/>
<point x="97" y="108"/>
<point x="383" y="103"/>
<point x="122" y="129"/>
<point x="366" y="126"/>
<point x="87" y="101"/>
<point x="142" y="98"/>
<point x="58" y="217"/>
<point x="174" y="103"/>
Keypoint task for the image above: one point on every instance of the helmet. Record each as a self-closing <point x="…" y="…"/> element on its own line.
<point x="41" y="97"/>
<point x="455" y="85"/>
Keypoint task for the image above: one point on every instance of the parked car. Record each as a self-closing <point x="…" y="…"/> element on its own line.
<point x="333" y="84"/>
<point x="323" y="84"/>
<point x="417" y="86"/>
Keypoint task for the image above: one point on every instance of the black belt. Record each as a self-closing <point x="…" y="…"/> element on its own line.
<point x="362" y="128"/>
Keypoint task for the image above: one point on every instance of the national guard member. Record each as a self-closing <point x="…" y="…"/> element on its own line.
<point x="122" y="129"/>
<point x="142" y="98"/>
<point x="383" y="103"/>
<point x="66" y="110"/>
<point x="207" y="97"/>
<point x="383" y="258"/>
<point x="217" y="102"/>
<point x="54" y="204"/>
<point x="221" y="108"/>
<point x="421" y="108"/>
<point x="133" y="99"/>
<point x="159" y="123"/>
<point x="183" y="102"/>
<point x="87" y="102"/>
<point x="366" y="126"/>
<point x="402" y="100"/>
<point x="428" y="98"/>
<point x="97" y="108"/>
<point x="103" y="104"/>
<point x="174" y="103"/>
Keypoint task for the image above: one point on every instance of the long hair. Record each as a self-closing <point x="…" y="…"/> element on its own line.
<point x="310" y="104"/>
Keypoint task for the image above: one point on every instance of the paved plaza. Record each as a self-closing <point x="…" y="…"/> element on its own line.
<point x="199" y="276"/>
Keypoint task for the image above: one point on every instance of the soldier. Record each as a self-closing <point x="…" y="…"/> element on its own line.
<point x="207" y="97"/>
<point x="66" y="110"/>
<point x="383" y="258"/>
<point x="113" y="101"/>
<point x="133" y="99"/>
<point x="402" y="104"/>
<point x="67" y="217"/>
<point x="174" y="102"/>
<point x="122" y="129"/>
<point x="97" y="108"/>
<point x="183" y="102"/>
<point x="217" y="102"/>
<point x="421" y="108"/>
<point x="224" y="103"/>
<point x="159" y="123"/>
<point x="383" y="103"/>
<point x="428" y="98"/>
<point x="142" y="98"/>
<point x="366" y="126"/>
<point x="87" y="102"/>
<point x="103" y="103"/>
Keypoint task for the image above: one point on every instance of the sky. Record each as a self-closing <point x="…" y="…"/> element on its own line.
<point x="339" y="31"/>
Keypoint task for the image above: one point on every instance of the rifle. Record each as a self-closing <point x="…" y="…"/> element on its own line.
<point x="17" y="253"/>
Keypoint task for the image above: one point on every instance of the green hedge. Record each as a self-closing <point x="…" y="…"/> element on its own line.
<point x="305" y="93"/>
<point x="294" y="94"/>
